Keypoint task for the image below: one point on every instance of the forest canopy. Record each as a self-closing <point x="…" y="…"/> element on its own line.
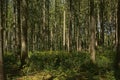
<point x="59" y="39"/>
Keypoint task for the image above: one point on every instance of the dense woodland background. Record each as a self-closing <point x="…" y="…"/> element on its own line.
<point x="59" y="39"/>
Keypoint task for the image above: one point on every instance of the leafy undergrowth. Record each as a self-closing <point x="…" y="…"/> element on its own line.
<point x="60" y="65"/>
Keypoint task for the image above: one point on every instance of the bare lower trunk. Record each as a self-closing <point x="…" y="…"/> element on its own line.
<point x="24" y="43"/>
<point x="64" y="30"/>
<point x="92" y="31"/>
<point x="1" y="55"/>
<point x="1" y="71"/>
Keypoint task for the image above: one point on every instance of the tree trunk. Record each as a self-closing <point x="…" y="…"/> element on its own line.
<point x="118" y="35"/>
<point x="24" y="48"/>
<point x="6" y="33"/>
<point x="1" y="55"/>
<point x="92" y="31"/>
<point x="64" y="26"/>
<point x="79" y="47"/>
<point x="44" y="25"/>
<point x="70" y="27"/>
<point x="18" y="29"/>
<point x="1" y="38"/>
<point x="101" y="22"/>
<point x="48" y="23"/>
<point x="117" y="58"/>
<point x="116" y="28"/>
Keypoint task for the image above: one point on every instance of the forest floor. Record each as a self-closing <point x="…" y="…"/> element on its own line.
<point x="60" y="65"/>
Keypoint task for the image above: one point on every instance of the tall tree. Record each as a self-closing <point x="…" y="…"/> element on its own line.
<point x="24" y="43"/>
<point x="64" y="25"/>
<point x="18" y="28"/>
<point x="102" y="21"/>
<point x="44" y="24"/>
<point x="70" y="26"/>
<point x="117" y="63"/>
<point x="1" y="54"/>
<point x="92" y="31"/>
<point x="1" y="38"/>
<point x="117" y="58"/>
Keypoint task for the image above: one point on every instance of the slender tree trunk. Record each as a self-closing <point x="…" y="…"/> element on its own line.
<point x="1" y="55"/>
<point x="51" y="39"/>
<point x="92" y="31"/>
<point x="97" y="28"/>
<point x="68" y="42"/>
<point x="6" y="33"/>
<point x="15" y="28"/>
<point x="32" y="38"/>
<point x="116" y="28"/>
<point x="1" y="38"/>
<point x="64" y="26"/>
<point x="117" y="58"/>
<point x="118" y="34"/>
<point x="44" y="24"/>
<point x="24" y="43"/>
<point x="102" y="22"/>
<point x="79" y="47"/>
<point x="18" y="29"/>
<point x="47" y="26"/>
<point x="70" y="27"/>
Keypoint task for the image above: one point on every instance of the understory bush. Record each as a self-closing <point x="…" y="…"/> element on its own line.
<point x="60" y="65"/>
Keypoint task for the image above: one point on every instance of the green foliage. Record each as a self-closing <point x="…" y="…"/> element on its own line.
<point x="60" y="65"/>
<point x="54" y="60"/>
<point x="11" y="66"/>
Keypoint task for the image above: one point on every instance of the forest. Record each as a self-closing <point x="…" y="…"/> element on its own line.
<point x="59" y="39"/>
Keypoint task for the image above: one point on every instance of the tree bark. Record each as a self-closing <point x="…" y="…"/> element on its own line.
<point x="1" y="38"/>
<point x="101" y="22"/>
<point x="70" y="27"/>
<point x="64" y="26"/>
<point x="92" y="31"/>
<point x="117" y="58"/>
<point x="1" y="55"/>
<point x="24" y="43"/>
<point x="118" y="35"/>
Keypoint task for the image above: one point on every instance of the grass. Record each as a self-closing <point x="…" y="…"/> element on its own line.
<point x="61" y="65"/>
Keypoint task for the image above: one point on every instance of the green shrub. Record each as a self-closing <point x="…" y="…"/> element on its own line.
<point x="66" y="66"/>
